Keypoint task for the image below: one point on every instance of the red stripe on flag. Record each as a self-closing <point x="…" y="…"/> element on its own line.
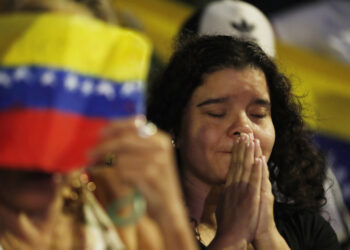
<point x="46" y="140"/>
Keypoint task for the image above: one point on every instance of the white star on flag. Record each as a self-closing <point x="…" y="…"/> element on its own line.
<point x="130" y="87"/>
<point x="71" y="82"/>
<point x="21" y="73"/>
<point x="87" y="87"/>
<point x="48" y="78"/>
<point x="106" y="89"/>
<point x="5" y="80"/>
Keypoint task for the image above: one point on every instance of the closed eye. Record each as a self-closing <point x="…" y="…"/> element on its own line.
<point x="216" y="115"/>
<point x="259" y="116"/>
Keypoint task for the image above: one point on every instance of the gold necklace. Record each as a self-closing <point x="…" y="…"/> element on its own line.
<point x="203" y="232"/>
<point x="196" y="231"/>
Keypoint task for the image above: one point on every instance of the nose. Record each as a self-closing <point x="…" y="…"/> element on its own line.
<point x="241" y="124"/>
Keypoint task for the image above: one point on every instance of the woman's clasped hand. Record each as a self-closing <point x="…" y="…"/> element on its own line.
<point x="245" y="209"/>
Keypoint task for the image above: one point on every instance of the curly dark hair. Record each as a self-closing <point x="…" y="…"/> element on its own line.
<point x="297" y="168"/>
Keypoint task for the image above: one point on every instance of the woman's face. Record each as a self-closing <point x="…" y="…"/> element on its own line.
<point x="27" y="190"/>
<point x="227" y="103"/>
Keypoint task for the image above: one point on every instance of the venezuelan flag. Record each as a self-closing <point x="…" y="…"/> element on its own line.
<point x="62" y="78"/>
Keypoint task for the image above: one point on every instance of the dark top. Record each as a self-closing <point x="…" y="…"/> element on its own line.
<point x="304" y="230"/>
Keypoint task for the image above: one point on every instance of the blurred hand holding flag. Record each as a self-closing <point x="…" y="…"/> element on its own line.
<point x="62" y="78"/>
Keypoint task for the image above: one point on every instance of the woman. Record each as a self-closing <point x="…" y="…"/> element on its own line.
<point x="224" y="17"/>
<point x="41" y="210"/>
<point x="239" y="137"/>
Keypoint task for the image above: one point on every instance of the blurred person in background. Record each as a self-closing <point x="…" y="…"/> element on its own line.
<point x="64" y="77"/>
<point x="320" y="26"/>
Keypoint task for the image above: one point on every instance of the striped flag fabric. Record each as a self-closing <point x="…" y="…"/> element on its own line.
<point x="62" y="79"/>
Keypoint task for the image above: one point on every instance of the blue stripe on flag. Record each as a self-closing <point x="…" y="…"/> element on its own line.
<point x="66" y="91"/>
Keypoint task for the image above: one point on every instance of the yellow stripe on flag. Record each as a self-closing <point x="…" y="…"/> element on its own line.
<point x="83" y="44"/>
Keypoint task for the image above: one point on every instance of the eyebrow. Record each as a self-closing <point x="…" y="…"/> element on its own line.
<point x="212" y="101"/>
<point x="262" y="102"/>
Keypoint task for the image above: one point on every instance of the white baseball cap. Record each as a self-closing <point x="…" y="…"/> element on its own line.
<point x="237" y="18"/>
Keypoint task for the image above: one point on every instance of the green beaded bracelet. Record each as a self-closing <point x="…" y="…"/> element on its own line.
<point x="138" y="203"/>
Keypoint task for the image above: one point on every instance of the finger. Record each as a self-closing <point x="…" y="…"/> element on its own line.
<point x="121" y="176"/>
<point x="119" y="125"/>
<point x="240" y="154"/>
<point x="265" y="184"/>
<point x="126" y="143"/>
<point x="109" y="185"/>
<point x="150" y="178"/>
<point x="267" y="198"/>
<point x="248" y="161"/>
<point x="256" y="176"/>
<point x="151" y="138"/>
<point x="251" y="136"/>
<point x="23" y="223"/>
<point x="233" y="168"/>
<point x="258" y="151"/>
<point x="131" y="171"/>
<point x="126" y="162"/>
<point x="111" y="147"/>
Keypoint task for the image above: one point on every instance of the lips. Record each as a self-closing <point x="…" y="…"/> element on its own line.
<point x="225" y="147"/>
<point x="37" y="175"/>
<point x="24" y="176"/>
<point x="225" y="151"/>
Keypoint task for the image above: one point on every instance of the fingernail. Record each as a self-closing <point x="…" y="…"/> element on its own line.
<point x="147" y="130"/>
<point x="237" y="140"/>
<point x="139" y="121"/>
<point x="257" y="160"/>
<point x="251" y="136"/>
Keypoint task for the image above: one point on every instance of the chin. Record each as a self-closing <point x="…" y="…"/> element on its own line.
<point x="35" y="201"/>
<point x="28" y="191"/>
<point x="30" y="200"/>
<point x="223" y="171"/>
<point x="219" y="178"/>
